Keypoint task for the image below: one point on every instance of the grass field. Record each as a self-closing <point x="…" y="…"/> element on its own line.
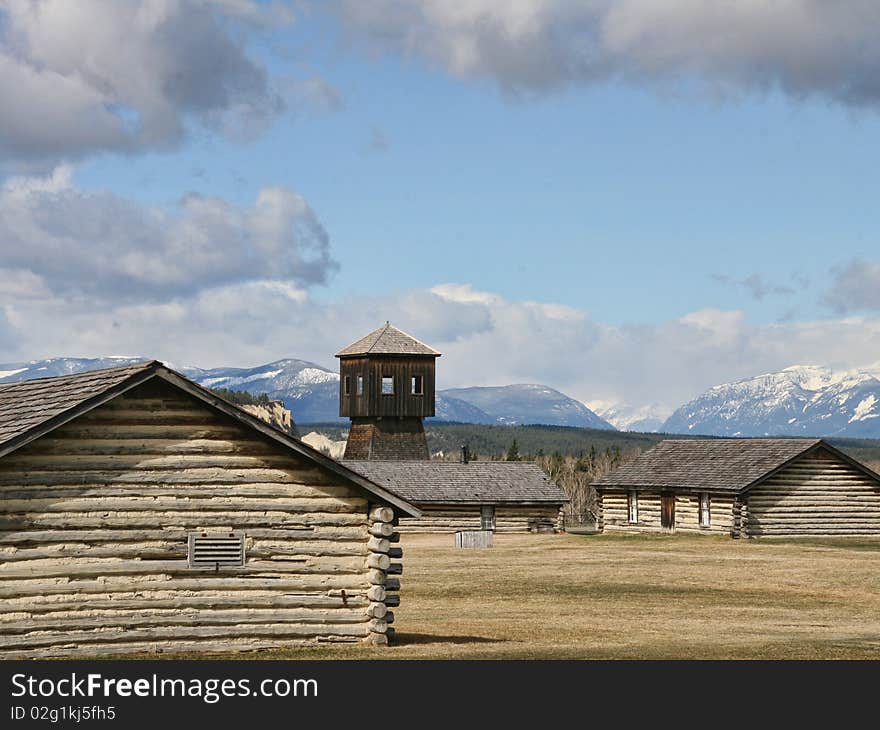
<point x="603" y="596"/>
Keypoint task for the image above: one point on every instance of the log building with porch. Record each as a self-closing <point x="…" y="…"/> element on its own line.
<point x="140" y="512"/>
<point x="742" y="488"/>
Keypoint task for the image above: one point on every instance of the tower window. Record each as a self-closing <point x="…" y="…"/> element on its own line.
<point x="346" y="387"/>
<point x="418" y="385"/>
<point x="387" y="385"/>
<point x="360" y="384"/>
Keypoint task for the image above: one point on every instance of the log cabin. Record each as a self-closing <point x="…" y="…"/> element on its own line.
<point x="744" y="488"/>
<point x="387" y="387"/>
<point x="502" y="496"/>
<point x="142" y="513"/>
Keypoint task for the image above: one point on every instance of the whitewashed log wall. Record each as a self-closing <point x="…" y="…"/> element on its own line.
<point x="816" y="495"/>
<point x="513" y="518"/>
<point x="93" y="538"/>
<point x="614" y="513"/>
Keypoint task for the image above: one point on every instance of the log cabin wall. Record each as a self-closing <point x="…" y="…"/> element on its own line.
<point x="818" y="494"/>
<point x="508" y="518"/>
<point x="94" y="519"/>
<point x="687" y="514"/>
<point x="615" y="512"/>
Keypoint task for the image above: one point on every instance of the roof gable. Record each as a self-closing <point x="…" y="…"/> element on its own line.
<point x="387" y="340"/>
<point x="710" y="464"/>
<point x="30" y="409"/>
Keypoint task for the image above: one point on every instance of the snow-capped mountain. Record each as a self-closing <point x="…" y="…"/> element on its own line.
<point x="527" y="404"/>
<point x="803" y="400"/>
<point x="628" y="417"/>
<point x="311" y="392"/>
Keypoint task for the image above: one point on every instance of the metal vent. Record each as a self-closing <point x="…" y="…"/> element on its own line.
<point x="213" y="549"/>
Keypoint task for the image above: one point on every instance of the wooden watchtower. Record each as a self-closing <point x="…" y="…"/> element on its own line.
<point x="386" y="388"/>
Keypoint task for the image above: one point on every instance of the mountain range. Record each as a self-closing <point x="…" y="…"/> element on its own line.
<point x="311" y="392"/>
<point x="801" y="400"/>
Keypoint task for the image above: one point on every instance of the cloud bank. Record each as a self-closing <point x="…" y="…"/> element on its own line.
<point x="78" y="78"/>
<point x="802" y="47"/>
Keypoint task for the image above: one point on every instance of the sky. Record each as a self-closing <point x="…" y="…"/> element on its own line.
<point x="629" y="201"/>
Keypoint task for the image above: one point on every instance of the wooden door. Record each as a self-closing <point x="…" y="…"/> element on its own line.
<point x="667" y="512"/>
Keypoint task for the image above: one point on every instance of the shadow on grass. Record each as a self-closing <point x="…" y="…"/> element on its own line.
<point x="408" y="639"/>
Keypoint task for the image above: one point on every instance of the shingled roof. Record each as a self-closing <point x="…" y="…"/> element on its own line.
<point x="730" y="465"/>
<point x="387" y="340"/>
<point x="427" y="482"/>
<point x="30" y="409"/>
<point x="30" y="403"/>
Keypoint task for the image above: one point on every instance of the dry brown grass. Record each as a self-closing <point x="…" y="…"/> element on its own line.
<point x="603" y="596"/>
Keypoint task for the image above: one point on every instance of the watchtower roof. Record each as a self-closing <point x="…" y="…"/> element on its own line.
<point x="387" y="340"/>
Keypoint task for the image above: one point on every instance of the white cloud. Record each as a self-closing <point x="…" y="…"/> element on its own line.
<point x="99" y="246"/>
<point x="82" y="77"/>
<point x="802" y="47"/>
<point x="485" y="340"/>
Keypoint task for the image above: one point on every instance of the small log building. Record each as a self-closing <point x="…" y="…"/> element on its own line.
<point x="742" y="488"/>
<point x="140" y="512"/>
<point x="503" y="496"/>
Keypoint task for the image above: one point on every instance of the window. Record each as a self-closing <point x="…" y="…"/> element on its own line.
<point x="387" y="385"/>
<point x="418" y="385"/>
<point x="213" y="549"/>
<point x="346" y="385"/>
<point x="632" y="503"/>
<point x="705" y="516"/>
<point x="360" y="384"/>
<point x="487" y="517"/>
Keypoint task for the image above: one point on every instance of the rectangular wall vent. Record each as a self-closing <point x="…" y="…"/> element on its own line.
<point x="213" y="549"/>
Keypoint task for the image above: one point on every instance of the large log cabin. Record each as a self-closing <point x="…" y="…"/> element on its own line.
<point x="140" y="512"/>
<point x="742" y="488"/>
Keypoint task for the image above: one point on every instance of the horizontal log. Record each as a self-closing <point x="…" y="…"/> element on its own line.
<point x="381" y="529"/>
<point x="197" y="491"/>
<point x="281" y="532"/>
<point x="290" y="583"/>
<point x="377" y="593"/>
<point x="379" y="561"/>
<point x="192" y="520"/>
<point x="151" y="600"/>
<point x="175" y="633"/>
<point x="138" y="462"/>
<point x="149" y="447"/>
<point x="376" y="577"/>
<point x="382" y="514"/>
<point x="64" y="568"/>
<point x="377" y="610"/>
<point x="378" y="545"/>
<point x="189" y="475"/>
<point x="82" y="621"/>
<point x="202" y="504"/>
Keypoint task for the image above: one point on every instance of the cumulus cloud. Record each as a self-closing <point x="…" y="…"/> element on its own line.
<point x="98" y="246"/>
<point x="803" y="47"/>
<point x="95" y="75"/>
<point x="854" y="287"/>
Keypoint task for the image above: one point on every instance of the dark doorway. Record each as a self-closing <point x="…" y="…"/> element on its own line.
<point x="667" y="512"/>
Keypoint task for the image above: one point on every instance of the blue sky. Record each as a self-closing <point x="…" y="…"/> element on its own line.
<point x="653" y="193"/>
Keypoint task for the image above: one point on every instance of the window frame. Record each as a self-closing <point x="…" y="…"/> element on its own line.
<point x="632" y="507"/>
<point x="420" y="379"/>
<point x="359" y="385"/>
<point x="390" y="379"/>
<point x="346" y="385"/>
<point x="487" y="517"/>
<point x="705" y="509"/>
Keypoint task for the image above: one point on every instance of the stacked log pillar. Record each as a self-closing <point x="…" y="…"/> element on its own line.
<point x="380" y="567"/>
